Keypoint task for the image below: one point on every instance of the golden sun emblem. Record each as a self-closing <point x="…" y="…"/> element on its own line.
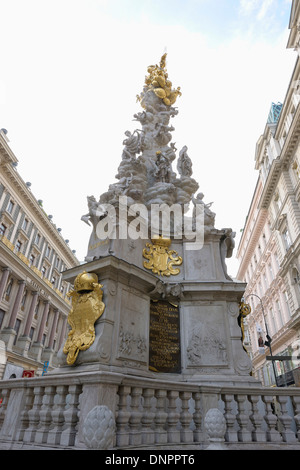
<point x="160" y="259"/>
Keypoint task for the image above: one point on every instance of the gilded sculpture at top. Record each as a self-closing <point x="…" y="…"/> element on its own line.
<point x="87" y="307"/>
<point x="158" y="82"/>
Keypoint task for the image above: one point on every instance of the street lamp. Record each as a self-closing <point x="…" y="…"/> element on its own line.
<point x="267" y="343"/>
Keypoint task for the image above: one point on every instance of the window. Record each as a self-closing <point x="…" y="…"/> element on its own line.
<point x="274" y="328"/>
<point x="286" y="238"/>
<point x="265" y="280"/>
<point x="2" y="229"/>
<point x="18" y="246"/>
<point x="31" y="260"/>
<point x="53" y="280"/>
<point x="287" y="303"/>
<point x="2" y="313"/>
<point x="48" y="249"/>
<point x="44" y="271"/>
<point x="25" y="225"/>
<point x="17" y="327"/>
<point x="37" y="239"/>
<point x="31" y="333"/>
<point x="10" y="207"/>
<point x="271" y="271"/>
<point x="279" y="313"/>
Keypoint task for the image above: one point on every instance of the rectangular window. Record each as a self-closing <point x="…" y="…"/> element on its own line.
<point x="10" y="207"/>
<point x="18" y="246"/>
<point x="31" y="260"/>
<point x="2" y="229"/>
<point x="25" y="225"/>
<point x="279" y="313"/>
<point x="271" y="271"/>
<point x="31" y="333"/>
<point x="286" y="238"/>
<point x="2" y="313"/>
<point x="17" y="327"/>
<point x="274" y="328"/>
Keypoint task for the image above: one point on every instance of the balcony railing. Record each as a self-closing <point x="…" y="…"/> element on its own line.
<point x="50" y="412"/>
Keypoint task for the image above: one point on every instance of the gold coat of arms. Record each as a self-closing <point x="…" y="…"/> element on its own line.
<point x="160" y="259"/>
<point x="87" y="307"/>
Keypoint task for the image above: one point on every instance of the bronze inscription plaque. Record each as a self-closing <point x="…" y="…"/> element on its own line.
<point x="164" y="338"/>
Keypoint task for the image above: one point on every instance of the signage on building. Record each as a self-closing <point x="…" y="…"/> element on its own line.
<point x="45" y="369"/>
<point x="28" y="373"/>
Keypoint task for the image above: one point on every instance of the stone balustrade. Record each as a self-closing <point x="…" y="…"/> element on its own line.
<point x="50" y="412"/>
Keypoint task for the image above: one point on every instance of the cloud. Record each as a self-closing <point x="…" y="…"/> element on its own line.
<point x="248" y="6"/>
<point x="264" y="9"/>
<point x="260" y="7"/>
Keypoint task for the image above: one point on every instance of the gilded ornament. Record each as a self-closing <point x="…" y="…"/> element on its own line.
<point x="87" y="307"/>
<point x="244" y="311"/>
<point x="160" y="259"/>
<point x="158" y="82"/>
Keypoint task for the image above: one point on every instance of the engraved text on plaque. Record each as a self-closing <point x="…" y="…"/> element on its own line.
<point x="164" y="338"/>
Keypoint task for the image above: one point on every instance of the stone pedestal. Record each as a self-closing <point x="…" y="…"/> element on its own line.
<point x="210" y="345"/>
<point x="36" y="351"/>
<point x="8" y="335"/>
<point x="22" y="345"/>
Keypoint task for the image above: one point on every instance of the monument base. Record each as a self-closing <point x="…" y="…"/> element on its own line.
<point x="182" y="331"/>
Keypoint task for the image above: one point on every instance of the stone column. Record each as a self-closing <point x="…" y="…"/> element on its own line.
<point x="17" y="303"/>
<point x="24" y="341"/>
<point x="63" y="332"/>
<point x="37" y="347"/>
<point x="3" y="282"/>
<point x="31" y="313"/>
<point x="43" y="322"/>
<point x="53" y="329"/>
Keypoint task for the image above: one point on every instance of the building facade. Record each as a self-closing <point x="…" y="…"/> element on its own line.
<point x="269" y="250"/>
<point x="33" y="254"/>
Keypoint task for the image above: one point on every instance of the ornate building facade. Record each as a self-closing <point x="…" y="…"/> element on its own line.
<point x="269" y="250"/>
<point x="33" y="254"/>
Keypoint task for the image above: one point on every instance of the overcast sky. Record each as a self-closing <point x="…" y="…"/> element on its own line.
<point x="71" y="70"/>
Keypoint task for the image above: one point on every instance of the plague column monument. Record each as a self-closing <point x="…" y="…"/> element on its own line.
<point x="154" y="357"/>
<point x="154" y="298"/>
